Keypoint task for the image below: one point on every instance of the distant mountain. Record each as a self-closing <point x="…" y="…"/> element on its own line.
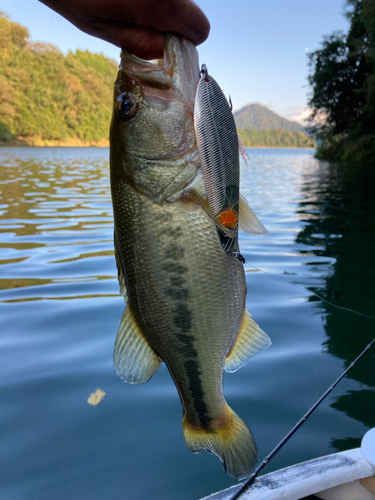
<point x="258" y="117"/>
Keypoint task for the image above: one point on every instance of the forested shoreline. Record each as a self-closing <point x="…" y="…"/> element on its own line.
<point x="51" y="99"/>
<point x="275" y="139"/>
<point x="342" y="80"/>
<point x="47" y="98"/>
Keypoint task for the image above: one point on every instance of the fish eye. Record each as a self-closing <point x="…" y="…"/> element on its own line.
<point x="127" y="105"/>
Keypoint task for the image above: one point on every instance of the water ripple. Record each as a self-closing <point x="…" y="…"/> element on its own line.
<point x="60" y="309"/>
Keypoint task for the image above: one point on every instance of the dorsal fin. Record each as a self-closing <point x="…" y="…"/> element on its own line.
<point x="248" y="222"/>
<point x="250" y="341"/>
<point x="134" y="359"/>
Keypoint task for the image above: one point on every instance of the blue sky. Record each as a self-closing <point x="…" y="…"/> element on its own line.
<point x="256" y="49"/>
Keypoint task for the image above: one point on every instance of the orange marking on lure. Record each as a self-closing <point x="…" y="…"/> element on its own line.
<point x="228" y="218"/>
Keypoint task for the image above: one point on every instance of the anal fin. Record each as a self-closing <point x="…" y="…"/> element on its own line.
<point x="134" y="359"/>
<point x="250" y="341"/>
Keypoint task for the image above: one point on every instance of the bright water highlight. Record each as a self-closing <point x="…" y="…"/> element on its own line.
<point x="60" y="309"/>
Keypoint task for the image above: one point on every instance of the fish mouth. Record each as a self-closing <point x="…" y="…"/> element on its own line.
<point x="177" y="72"/>
<point x="156" y="73"/>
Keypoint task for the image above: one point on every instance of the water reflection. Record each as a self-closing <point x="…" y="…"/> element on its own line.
<point x="337" y="208"/>
<point x="56" y="225"/>
<point x="60" y="307"/>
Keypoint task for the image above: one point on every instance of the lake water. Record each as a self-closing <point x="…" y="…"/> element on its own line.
<point x="60" y="309"/>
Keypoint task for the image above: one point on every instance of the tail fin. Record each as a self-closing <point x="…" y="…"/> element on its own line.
<point x="231" y="441"/>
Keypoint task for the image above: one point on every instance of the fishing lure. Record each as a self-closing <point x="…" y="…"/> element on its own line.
<point x="218" y="146"/>
<point x="217" y="143"/>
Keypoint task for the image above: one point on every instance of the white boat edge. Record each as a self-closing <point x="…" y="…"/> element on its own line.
<point x="304" y="479"/>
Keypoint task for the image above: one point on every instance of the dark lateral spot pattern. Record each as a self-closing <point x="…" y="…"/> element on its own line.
<point x="177" y="281"/>
<point x="177" y="294"/>
<point x="172" y="267"/>
<point x="175" y="252"/>
<point x="187" y="349"/>
<point x="182" y="319"/>
<point x="175" y="232"/>
<point x="192" y="371"/>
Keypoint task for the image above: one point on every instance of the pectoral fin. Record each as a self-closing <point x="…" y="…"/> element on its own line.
<point x="250" y="341"/>
<point x="248" y="222"/>
<point x="134" y="360"/>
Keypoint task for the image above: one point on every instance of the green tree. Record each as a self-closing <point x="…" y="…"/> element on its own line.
<point x="274" y="139"/>
<point x="342" y="80"/>
<point x="47" y="96"/>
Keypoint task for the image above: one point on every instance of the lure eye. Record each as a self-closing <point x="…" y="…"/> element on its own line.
<point x="127" y="105"/>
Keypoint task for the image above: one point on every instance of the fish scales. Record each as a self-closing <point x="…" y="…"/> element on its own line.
<point x="185" y="295"/>
<point x="169" y="283"/>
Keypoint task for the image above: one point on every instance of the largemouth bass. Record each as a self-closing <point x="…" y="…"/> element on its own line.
<point x="185" y="294"/>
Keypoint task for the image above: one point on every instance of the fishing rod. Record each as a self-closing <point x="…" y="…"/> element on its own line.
<point x="250" y="481"/>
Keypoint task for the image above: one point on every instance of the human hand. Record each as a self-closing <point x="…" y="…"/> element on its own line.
<point x="135" y="25"/>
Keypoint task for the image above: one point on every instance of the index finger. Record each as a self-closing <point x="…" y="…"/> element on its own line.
<point x="180" y="16"/>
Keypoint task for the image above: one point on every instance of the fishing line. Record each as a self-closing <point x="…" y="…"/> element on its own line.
<point x="266" y="460"/>
<point x="314" y="293"/>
